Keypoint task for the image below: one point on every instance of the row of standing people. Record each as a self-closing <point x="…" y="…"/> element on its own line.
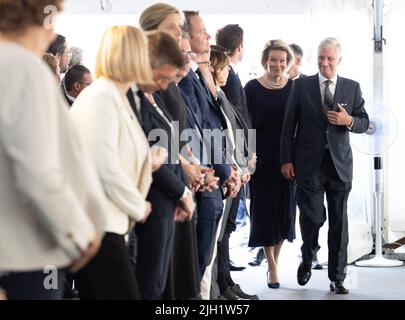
<point x="115" y="136"/>
<point x="113" y="115"/>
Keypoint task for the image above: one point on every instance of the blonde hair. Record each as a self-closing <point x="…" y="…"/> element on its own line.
<point x="123" y="56"/>
<point x="277" y="45"/>
<point x="51" y="61"/>
<point x="154" y="15"/>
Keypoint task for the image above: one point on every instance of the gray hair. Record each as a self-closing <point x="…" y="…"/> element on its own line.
<point x="77" y="56"/>
<point x="331" y="42"/>
<point x="185" y="35"/>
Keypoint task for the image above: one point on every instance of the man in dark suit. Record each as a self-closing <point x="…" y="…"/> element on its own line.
<point x="154" y="239"/>
<point x="75" y="81"/>
<point x="295" y="70"/>
<point x="231" y="38"/>
<point x="295" y="73"/>
<point x="315" y="151"/>
<point x="208" y="117"/>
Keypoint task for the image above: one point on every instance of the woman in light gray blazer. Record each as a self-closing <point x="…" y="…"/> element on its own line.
<point x="52" y="204"/>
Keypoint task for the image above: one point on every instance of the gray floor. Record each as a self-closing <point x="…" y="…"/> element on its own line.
<point x="364" y="283"/>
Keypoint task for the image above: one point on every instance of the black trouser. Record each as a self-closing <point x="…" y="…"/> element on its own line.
<point x="44" y="284"/>
<point x="224" y="274"/>
<point x="109" y="275"/>
<point x="154" y="249"/>
<point x="313" y="215"/>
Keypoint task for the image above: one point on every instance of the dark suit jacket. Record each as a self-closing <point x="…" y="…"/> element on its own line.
<point x="194" y="134"/>
<point x="302" y="76"/>
<point x="240" y="130"/>
<point x="305" y="114"/>
<point x="175" y="104"/>
<point x="211" y="118"/>
<point x="236" y="95"/>
<point x="169" y="181"/>
<point x="70" y="102"/>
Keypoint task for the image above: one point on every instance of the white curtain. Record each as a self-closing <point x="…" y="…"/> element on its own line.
<point x="394" y="93"/>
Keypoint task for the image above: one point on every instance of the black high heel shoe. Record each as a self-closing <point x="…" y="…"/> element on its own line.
<point x="272" y="285"/>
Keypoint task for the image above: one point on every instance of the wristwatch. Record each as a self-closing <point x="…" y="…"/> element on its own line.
<point x="350" y="126"/>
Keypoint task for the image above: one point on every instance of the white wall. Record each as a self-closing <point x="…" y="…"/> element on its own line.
<point x="216" y="7"/>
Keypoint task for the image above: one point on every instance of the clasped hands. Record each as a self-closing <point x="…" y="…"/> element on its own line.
<point x="184" y="208"/>
<point x="234" y="183"/>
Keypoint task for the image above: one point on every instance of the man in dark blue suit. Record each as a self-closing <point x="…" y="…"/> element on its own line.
<point x="168" y="191"/>
<point x="315" y="151"/>
<point x="208" y="117"/>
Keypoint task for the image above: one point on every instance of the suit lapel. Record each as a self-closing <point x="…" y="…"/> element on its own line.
<point x="315" y="93"/>
<point x="339" y="93"/>
<point x="195" y="79"/>
<point x="130" y="119"/>
<point x="192" y="114"/>
<point x="203" y="88"/>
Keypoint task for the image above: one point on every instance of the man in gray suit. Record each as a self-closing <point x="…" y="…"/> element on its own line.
<point x="315" y="151"/>
<point x="295" y="73"/>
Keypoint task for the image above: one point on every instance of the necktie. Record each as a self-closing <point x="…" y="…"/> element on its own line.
<point x="202" y="80"/>
<point x="327" y="97"/>
<point x="200" y="76"/>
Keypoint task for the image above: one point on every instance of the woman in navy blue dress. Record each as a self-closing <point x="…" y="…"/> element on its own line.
<point x="271" y="209"/>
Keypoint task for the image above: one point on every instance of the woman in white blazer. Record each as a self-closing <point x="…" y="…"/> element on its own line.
<point x="120" y="150"/>
<point x="52" y="205"/>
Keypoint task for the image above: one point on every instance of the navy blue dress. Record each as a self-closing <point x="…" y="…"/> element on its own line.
<point x="272" y="210"/>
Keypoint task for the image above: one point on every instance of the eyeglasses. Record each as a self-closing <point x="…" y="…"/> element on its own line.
<point x="163" y="79"/>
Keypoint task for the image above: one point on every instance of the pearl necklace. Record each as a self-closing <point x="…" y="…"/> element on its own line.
<point x="273" y="85"/>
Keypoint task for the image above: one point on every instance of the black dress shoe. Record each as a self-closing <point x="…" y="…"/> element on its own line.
<point x="338" y="287"/>
<point x="229" y="294"/>
<point x="316" y="265"/>
<point x="303" y="274"/>
<point x="235" y="268"/>
<point x="257" y="261"/>
<point x="238" y="291"/>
